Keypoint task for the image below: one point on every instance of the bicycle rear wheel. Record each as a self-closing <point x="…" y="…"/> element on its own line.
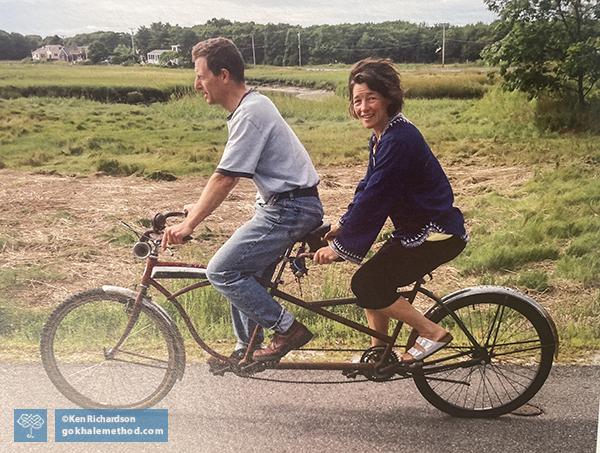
<point x="75" y="340"/>
<point x="519" y="347"/>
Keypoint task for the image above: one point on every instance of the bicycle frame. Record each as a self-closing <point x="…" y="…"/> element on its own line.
<point x="318" y="307"/>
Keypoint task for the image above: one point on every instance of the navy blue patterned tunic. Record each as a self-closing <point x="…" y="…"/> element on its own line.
<point x="404" y="182"/>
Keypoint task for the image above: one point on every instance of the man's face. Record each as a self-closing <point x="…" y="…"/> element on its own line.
<point x="210" y="85"/>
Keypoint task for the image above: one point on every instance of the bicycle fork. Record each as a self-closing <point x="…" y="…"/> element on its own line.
<point x="133" y="311"/>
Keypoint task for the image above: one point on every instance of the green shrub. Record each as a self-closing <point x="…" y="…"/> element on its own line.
<point x="113" y="167"/>
<point x="37" y="159"/>
<point x="536" y="280"/>
<point x="161" y="175"/>
<point x="562" y="113"/>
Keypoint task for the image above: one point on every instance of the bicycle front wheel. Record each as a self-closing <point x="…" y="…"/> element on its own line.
<point x="518" y="352"/>
<point x="74" y="346"/>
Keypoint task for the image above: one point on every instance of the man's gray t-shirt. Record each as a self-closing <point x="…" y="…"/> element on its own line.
<point x="262" y="146"/>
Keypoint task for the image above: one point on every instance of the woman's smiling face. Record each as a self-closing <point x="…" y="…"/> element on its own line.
<point x="370" y="107"/>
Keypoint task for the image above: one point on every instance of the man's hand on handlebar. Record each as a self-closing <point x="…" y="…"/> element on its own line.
<point x="176" y="234"/>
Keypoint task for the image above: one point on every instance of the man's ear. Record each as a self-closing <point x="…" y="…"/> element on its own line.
<point x="225" y="75"/>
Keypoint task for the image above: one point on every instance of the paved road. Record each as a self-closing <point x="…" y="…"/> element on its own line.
<point x="229" y="414"/>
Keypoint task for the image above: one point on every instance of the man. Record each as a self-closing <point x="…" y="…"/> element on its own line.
<point x="261" y="146"/>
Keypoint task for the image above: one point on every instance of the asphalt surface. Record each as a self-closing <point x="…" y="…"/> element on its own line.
<point x="231" y="414"/>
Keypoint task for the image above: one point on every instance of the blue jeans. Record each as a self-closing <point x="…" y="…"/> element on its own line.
<point x="252" y="251"/>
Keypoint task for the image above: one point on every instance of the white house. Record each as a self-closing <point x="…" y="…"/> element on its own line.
<point x="153" y="57"/>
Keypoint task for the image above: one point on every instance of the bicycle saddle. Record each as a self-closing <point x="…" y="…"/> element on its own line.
<point x="314" y="239"/>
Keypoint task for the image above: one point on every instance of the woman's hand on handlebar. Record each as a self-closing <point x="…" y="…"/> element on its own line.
<point x="176" y="234"/>
<point x="332" y="233"/>
<point x="325" y="255"/>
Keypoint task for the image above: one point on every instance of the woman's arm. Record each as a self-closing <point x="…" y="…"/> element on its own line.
<point x="376" y="201"/>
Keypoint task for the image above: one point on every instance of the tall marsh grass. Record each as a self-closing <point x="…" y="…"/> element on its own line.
<point x="146" y="84"/>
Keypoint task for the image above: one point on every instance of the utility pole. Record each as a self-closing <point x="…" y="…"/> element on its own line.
<point x="285" y="47"/>
<point x="299" y="51"/>
<point x="253" y="52"/>
<point x="132" y="42"/>
<point x="444" y="43"/>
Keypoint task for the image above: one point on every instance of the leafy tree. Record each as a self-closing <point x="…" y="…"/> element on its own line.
<point x="123" y="55"/>
<point x="34" y="41"/>
<point x="168" y="58"/>
<point x="142" y="40"/>
<point x="98" y="52"/>
<point x="548" y="45"/>
<point x="52" y="40"/>
<point x="186" y="39"/>
<point x="5" y="46"/>
<point x="14" y="46"/>
<point x="161" y="36"/>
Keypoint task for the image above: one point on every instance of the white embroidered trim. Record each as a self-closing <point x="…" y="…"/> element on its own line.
<point x="344" y="253"/>
<point x="420" y="237"/>
<point x="397" y="118"/>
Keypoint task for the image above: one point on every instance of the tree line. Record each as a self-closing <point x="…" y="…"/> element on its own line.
<point x="540" y="47"/>
<point x="277" y="44"/>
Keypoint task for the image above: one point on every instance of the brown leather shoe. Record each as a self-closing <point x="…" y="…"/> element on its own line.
<point x="296" y="336"/>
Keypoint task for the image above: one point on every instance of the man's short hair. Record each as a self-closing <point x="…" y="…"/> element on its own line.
<point x="221" y="53"/>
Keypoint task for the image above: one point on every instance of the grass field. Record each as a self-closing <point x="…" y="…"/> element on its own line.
<point x="541" y="236"/>
<point x="105" y="82"/>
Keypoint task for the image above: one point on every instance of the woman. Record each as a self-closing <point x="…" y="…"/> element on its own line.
<point x="406" y="183"/>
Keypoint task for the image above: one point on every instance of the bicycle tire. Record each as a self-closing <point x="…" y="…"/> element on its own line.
<point x="513" y="377"/>
<point x="72" y="346"/>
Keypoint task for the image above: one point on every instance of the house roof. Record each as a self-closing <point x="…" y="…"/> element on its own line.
<point x="74" y="50"/>
<point x="56" y="49"/>
<point x="158" y="51"/>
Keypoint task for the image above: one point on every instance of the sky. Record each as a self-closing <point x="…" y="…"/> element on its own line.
<point x="69" y="17"/>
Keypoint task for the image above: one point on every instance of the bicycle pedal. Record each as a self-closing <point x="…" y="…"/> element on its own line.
<point x="219" y="369"/>
<point x="350" y="374"/>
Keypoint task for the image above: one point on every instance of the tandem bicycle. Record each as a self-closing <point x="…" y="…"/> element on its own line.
<point x="503" y="347"/>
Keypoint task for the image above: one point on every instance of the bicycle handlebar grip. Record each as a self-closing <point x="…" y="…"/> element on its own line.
<point x="159" y="222"/>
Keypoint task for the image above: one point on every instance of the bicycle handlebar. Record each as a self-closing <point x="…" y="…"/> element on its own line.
<point x="159" y="221"/>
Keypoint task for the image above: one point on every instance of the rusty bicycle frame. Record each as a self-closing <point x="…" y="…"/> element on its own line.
<point x="382" y="365"/>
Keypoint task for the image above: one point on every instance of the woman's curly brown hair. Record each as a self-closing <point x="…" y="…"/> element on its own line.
<point x="379" y="75"/>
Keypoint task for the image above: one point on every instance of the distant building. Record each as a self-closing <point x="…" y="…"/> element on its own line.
<point x="56" y="52"/>
<point x="153" y="57"/>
